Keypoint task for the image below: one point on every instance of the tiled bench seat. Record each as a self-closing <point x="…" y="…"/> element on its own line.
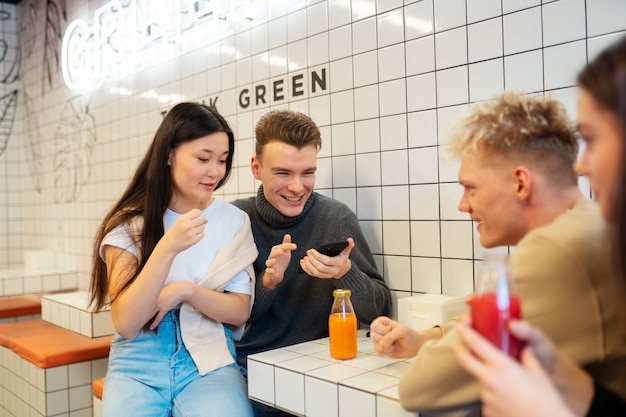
<point x="71" y="311"/>
<point x="17" y="308"/>
<point x="46" y="370"/>
<point x="97" y="386"/>
<point x="20" y="281"/>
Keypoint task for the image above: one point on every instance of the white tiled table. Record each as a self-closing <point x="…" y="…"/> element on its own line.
<point x="305" y="380"/>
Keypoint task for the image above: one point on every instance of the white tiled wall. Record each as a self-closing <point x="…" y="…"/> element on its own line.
<point x="397" y="74"/>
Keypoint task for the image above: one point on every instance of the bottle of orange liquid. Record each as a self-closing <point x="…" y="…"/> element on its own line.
<point x="342" y="325"/>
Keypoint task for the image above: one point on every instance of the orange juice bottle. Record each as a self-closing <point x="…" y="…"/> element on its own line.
<point x="342" y="325"/>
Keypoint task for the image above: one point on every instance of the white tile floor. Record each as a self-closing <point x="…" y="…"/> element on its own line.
<point x="305" y="380"/>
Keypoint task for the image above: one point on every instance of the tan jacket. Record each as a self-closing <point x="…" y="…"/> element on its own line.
<point x="562" y="275"/>
<point x="203" y="337"/>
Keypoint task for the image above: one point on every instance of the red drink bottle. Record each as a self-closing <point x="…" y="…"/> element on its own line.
<point x="495" y="305"/>
<point x="491" y="320"/>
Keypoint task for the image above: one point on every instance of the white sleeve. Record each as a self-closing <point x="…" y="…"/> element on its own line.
<point x="240" y="284"/>
<point x="119" y="238"/>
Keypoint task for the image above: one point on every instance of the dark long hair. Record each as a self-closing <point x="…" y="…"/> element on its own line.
<point x="604" y="78"/>
<point x="150" y="190"/>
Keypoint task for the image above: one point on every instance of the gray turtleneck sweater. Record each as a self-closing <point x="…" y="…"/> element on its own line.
<point x="297" y="309"/>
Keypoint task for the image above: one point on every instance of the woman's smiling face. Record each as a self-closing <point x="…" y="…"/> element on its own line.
<point x="602" y="134"/>
<point x="197" y="167"/>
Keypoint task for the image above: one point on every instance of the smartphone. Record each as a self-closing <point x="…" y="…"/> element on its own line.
<point x="329" y="249"/>
<point x="333" y="248"/>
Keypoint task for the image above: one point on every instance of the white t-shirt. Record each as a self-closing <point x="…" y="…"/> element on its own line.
<point x="224" y="220"/>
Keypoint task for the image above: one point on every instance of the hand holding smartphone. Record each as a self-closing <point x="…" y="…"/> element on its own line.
<point x="329" y="249"/>
<point x="332" y="248"/>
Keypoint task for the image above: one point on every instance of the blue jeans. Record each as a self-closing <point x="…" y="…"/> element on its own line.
<point x="153" y="375"/>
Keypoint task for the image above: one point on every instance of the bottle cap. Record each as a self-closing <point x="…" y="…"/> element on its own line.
<point x="342" y="292"/>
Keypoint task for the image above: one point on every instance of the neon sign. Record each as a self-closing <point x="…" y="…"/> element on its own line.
<point x="126" y="34"/>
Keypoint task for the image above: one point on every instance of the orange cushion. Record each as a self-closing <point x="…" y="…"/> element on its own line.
<point x="15" y="306"/>
<point x="97" y="386"/>
<point x="63" y="348"/>
<point x="10" y="331"/>
<point x="47" y="345"/>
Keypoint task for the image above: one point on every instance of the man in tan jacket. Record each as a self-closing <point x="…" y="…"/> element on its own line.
<point x="517" y="154"/>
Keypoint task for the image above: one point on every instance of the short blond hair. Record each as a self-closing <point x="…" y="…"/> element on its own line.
<point x="530" y="129"/>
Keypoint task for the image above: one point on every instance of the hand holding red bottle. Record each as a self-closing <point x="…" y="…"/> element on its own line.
<point x="495" y="304"/>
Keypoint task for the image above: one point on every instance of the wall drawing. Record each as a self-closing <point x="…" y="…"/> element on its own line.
<point x="75" y="134"/>
<point x="73" y="144"/>
<point x="8" y="77"/>
<point x="33" y="141"/>
<point x="28" y="13"/>
<point x="7" y="117"/>
<point x="56" y="15"/>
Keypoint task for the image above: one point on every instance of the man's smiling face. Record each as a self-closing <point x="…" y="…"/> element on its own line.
<point x="287" y="174"/>
<point x="490" y="200"/>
